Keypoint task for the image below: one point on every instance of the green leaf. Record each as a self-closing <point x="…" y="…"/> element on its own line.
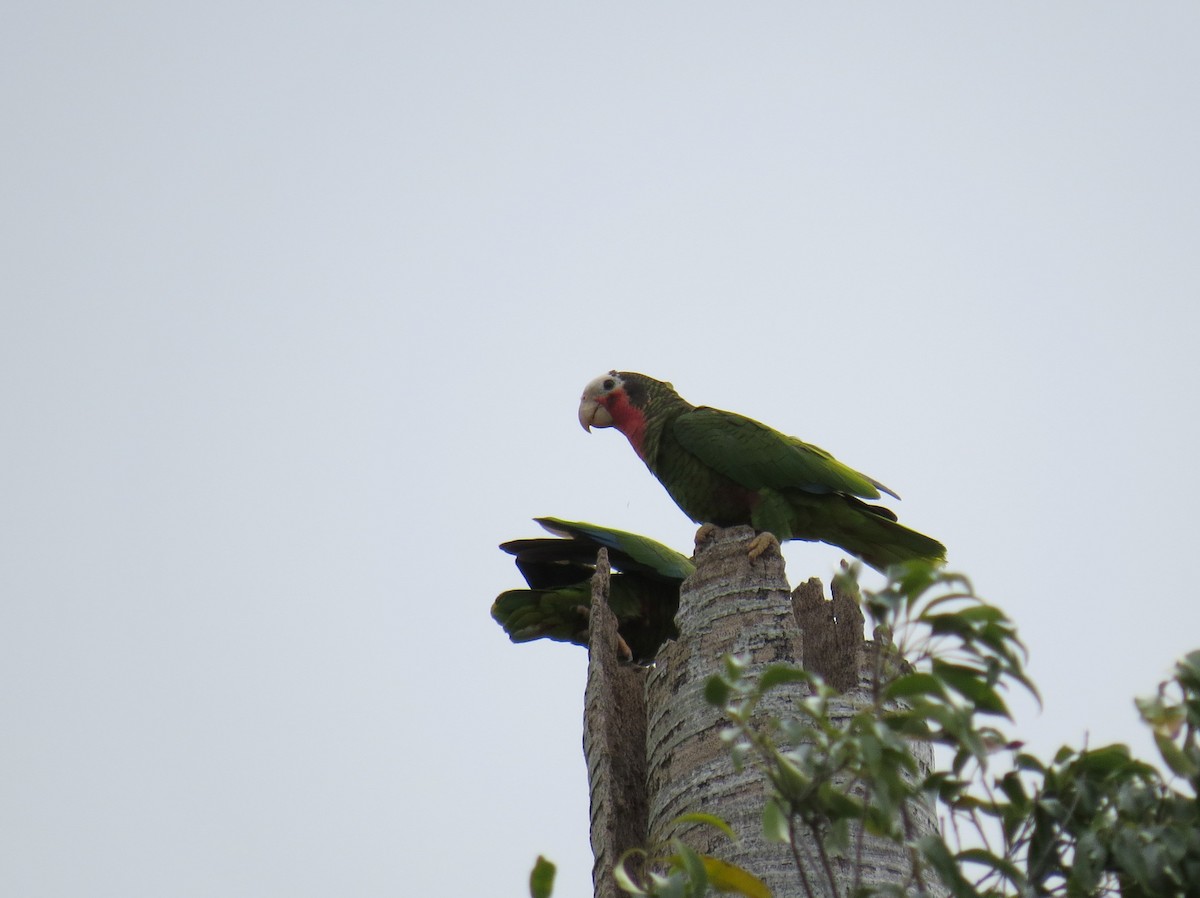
<point x="622" y="875"/>
<point x="726" y="877"/>
<point x="949" y="625"/>
<point x="1052" y="808"/>
<point x="673" y="886"/>
<point x="1025" y="761"/>
<point x="1088" y="866"/>
<point x="1187" y="671"/>
<point x="775" y="822"/>
<point x="709" y="820"/>
<point x="837" y="804"/>
<point x="1014" y="790"/>
<point x="913" y="577"/>
<point x="735" y="666"/>
<point x="1104" y="761"/>
<point x="1175" y="757"/>
<point x="686" y="859"/>
<point x="914" y="684"/>
<point x="716" y="691"/>
<point x="946" y="865"/>
<point x="541" y="878"/>
<point x="971" y="684"/>
<point x="792" y="782"/>
<point x="1064" y="754"/>
<point x="1001" y="865"/>
<point x="778" y="674"/>
<point x="738" y="754"/>
<point x="981" y="613"/>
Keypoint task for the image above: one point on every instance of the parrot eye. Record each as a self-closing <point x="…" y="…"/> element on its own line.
<point x="609" y="383"/>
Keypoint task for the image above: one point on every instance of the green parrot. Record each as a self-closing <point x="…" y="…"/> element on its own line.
<point x="724" y="469"/>
<point x="643" y="589"/>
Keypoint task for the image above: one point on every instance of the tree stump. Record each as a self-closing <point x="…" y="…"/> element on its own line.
<point x="671" y="737"/>
<point x="734" y="606"/>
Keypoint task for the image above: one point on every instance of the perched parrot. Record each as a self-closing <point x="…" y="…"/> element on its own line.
<point x="643" y="590"/>
<point x="724" y="469"/>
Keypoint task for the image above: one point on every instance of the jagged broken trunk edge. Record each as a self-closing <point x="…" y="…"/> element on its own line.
<point x="731" y="605"/>
<point x="614" y="742"/>
<point x="834" y="648"/>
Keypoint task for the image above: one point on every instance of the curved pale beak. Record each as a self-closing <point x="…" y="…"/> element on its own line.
<point x="593" y="414"/>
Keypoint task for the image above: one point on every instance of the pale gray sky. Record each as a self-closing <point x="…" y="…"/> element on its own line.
<point x="298" y="304"/>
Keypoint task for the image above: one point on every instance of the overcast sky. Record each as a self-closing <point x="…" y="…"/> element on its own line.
<point x="298" y="303"/>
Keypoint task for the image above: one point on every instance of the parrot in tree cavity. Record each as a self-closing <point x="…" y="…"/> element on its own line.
<point x="724" y="469"/>
<point x="643" y="588"/>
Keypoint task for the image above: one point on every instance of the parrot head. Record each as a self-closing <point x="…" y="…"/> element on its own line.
<point x="605" y="390"/>
<point x="624" y="400"/>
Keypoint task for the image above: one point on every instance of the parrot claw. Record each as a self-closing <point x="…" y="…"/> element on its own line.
<point x="624" y="650"/>
<point x="762" y="542"/>
<point x="625" y="654"/>
<point x="704" y="534"/>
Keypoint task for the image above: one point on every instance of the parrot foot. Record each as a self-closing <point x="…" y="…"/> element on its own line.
<point x="704" y="534"/>
<point x="624" y="650"/>
<point x="762" y="542"/>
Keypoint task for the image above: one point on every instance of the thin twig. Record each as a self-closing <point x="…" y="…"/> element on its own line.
<point x="909" y="831"/>
<point x="801" y="866"/>
<point x="858" y="854"/>
<point x="824" y="856"/>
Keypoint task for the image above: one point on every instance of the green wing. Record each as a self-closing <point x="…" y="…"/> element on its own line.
<point x="643" y="591"/>
<point x="560" y="614"/>
<point x="645" y="610"/>
<point x="758" y="457"/>
<point x="628" y="552"/>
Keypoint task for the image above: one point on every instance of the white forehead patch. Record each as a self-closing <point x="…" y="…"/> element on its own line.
<point x="603" y="384"/>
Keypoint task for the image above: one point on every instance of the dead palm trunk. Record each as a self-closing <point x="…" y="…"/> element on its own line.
<point x="653" y="743"/>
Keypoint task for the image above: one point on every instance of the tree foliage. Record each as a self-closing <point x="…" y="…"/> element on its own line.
<point x="1088" y="822"/>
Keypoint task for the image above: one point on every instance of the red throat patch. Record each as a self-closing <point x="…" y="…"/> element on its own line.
<point x="627" y="418"/>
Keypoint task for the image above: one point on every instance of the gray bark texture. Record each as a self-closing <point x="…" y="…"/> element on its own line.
<point x="734" y="606"/>
<point x="614" y="742"/>
<point x="653" y="744"/>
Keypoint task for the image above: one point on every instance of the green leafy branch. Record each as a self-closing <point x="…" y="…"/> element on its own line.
<point x="1101" y="822"/>
<point x="841" y="768"/>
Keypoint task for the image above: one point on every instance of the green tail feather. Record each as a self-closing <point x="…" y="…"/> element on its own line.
<point x="872" y="533"/>
<point x="867" y="531"/>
